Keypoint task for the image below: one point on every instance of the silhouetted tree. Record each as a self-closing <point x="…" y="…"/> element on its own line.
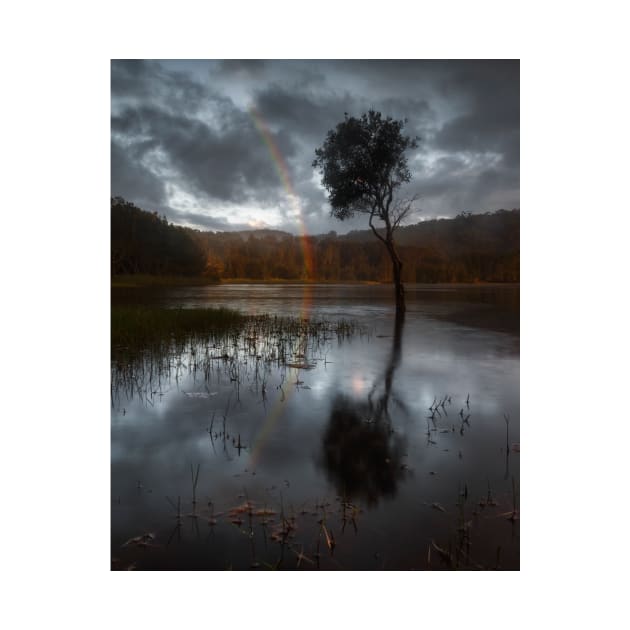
<point x="363" y="163"/>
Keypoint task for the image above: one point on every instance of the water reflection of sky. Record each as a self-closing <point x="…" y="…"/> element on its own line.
<point x="307" y="441"/>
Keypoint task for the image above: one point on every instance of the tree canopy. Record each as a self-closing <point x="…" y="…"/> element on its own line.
<point x="363" y="163"/>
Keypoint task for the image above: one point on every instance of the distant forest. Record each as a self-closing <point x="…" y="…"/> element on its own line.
<point x="468" y="248"/>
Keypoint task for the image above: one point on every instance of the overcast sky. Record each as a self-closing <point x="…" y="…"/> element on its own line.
<point x="206" y="142"/>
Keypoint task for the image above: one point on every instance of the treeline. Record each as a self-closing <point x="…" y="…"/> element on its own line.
<point x="468" y="248"/>
<point x="144" y="243"/>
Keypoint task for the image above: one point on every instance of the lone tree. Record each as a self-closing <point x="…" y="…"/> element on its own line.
<point x="363" y="163"/>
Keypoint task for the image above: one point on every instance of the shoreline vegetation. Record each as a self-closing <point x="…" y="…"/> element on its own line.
<point x="148" y="280"/>
<point x="135" y="327"/>
<point x="140" y="327"/>
<point x="136" y="281"/>
<point x="467" y="248"/>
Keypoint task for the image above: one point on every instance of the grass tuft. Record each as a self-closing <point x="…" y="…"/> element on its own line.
<point x="139" y="327"/>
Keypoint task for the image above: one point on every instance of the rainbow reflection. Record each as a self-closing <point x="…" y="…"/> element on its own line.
<point x="275" y="413"/>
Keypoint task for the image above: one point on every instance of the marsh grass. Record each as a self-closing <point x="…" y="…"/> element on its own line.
<point x="270" y="530"/>
<point x="152" y="346"/>
<point x="138" y="327"/>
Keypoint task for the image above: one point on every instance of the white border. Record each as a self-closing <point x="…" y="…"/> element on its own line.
<point x="55" y="251"/>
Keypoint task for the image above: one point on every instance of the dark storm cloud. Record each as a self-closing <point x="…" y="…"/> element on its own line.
<point x="183" y="130"/>
<point x="133" y="181"/>
<point x="481" y="103"/>
<point x="490" y="91"/>
<point x="312" y="114"/>
<point x="148" y="81"/>
<point x="226" y="164"/>
<point x="246" y="66"/>
<point x="301" y="112"/>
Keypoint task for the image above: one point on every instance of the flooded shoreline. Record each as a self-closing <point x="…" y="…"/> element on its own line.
<point x="386" y="448"/>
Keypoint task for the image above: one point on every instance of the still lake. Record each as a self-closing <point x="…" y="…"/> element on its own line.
<point x="387" y="448"/>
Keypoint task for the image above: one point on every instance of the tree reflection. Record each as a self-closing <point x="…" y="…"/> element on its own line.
<point x="361" y="452"/>
<point x="381" y="392"/>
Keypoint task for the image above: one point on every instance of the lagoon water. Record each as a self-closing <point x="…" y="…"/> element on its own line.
<point x="333" y="459"/>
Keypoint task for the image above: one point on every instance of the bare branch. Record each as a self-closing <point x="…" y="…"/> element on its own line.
<point x="402" y="208"/>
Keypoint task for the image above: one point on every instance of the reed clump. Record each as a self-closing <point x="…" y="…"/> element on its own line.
<point x="152" y="344"/>
<point x="140" y="327"/>
<point x="136" y="327"/>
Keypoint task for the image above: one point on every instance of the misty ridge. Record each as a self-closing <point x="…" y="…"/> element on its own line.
<point x="467" y="248"/>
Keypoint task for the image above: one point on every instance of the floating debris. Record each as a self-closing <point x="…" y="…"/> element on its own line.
<point x="244" y="508"/>
<point x="444" y="555"/>
<point x="330" y="539"/>
<point x="144" y="540"/>
<point x="265" y="512"/>
<point x="302" y="366"/>
<point x="301" y="556"/>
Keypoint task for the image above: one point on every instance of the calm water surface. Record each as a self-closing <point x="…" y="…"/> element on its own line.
<point x="338" y="463"/>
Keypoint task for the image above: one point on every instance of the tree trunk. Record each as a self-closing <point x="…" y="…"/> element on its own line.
<point x="388" y="241"/>
<point x="399" y="289"/>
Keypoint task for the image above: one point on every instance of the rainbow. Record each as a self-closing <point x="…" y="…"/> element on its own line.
<point x="283" y="172"/>
<point x="275" y="413"/>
